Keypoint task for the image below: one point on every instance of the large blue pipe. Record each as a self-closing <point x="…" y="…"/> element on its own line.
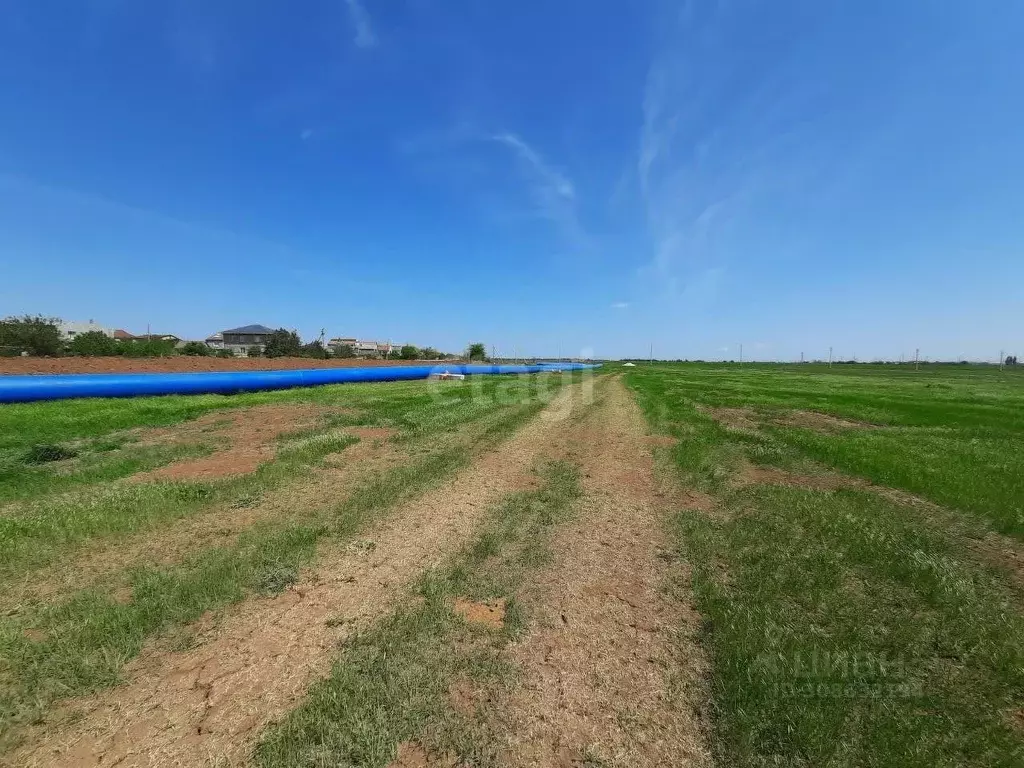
<point x="26" y="389"/>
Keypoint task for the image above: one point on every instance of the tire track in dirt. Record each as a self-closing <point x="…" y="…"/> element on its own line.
<point x="612" y="670"/>
<point x="207" y="705"/>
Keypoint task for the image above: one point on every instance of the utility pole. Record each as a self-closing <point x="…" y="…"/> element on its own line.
<point x="652" y="354"/>
<point x="801" y="357"/>
<point x="830" y="357"/>
<point x="1001" y="359"/>
<point x="741" y="354"/>
<point x="917" y="359"/>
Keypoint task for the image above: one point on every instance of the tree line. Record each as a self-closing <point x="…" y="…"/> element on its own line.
<point x="40" y="336"/>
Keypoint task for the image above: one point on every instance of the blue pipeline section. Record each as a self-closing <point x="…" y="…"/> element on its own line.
<point x="27" y="389"/>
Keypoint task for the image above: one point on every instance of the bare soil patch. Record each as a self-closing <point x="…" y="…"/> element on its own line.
<point x="821" y="422"/>
<point x="596" y="684"/>
<point x="489" y="614"/>
<point x="697" y="500"/>
<point x="412" y="755"/>
<point x="178" y="364"/>
<point x="753" y="474"/>
<point x="208" y="704"/>
<point x="742" y="419"/>
<point x="248" y="434"/>
<point x="661" y="441"/>
<point x="464" y="697"/>
<point x="1005" y="554"/>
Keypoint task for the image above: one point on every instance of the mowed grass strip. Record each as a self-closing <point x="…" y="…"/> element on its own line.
<point x="843" y="629"/>
<point x="35" y="533"/>
<point x="951" y="434"/>
<point x="393" y="682"/>
<point x="80" y="643"/>
<point x="101" y="461"/>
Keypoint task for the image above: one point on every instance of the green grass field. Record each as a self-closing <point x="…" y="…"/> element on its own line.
<point x="71" y="642"/>
<point x="851" y="539"/>
<point x="854" y="626"/>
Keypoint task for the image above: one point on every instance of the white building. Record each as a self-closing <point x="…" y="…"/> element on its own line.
<point x="68" y="331"/>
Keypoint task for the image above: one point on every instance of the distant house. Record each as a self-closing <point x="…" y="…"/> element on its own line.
<point x="239" y="340"/>
<point x="70" y="330"/>
<point x="122" y="335"/>
<point x="363" y="348"/>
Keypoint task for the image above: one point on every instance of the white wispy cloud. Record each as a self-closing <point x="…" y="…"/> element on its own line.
<point x="365" y="37"/>
<point x="620" y="305"/>
<point x="703" y="156"/>
<point x="307" y="133"/>
<point x="553" y="192"/>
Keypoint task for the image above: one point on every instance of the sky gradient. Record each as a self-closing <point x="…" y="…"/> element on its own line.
<point x="583" y="177"/>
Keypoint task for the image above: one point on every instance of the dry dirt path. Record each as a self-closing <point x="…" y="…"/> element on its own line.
<point x="612" y="672"/>
<point x="207" y="706"/>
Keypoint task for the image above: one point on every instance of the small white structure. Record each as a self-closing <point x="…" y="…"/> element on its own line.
<point x="629" y="365"/>
<point x="68" y="331"/>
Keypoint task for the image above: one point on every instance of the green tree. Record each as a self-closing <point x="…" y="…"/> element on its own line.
<point x="476" y="351"/>
<point x="147" y="348"/>
<point x="344" y="352"/>
<point x="429" y="353"/>
<point x="409" y="352"/>
<point x="283" y="343"/>
<point x="314" y="349"/>
<point x="34" y="334"/>
<point x="196" y="349"/>
<point x="93" y="344"/>
<point x="254" y="351"/>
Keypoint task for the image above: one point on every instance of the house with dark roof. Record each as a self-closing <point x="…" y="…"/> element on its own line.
<point x="239" y="340"/>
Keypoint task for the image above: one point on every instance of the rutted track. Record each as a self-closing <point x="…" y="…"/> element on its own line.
<point x="612" y="670"/>
<point x="208" y="704"/>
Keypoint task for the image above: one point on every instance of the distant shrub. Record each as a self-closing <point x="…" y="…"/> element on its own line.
<point x="93" y="344"/>
<point x="254" y="351"/>
<point x="314" y="349"/>
<point x="47" y="452"/>
<point x="409" y="352"/>
<point x="147" y="348"/>
<point x="34" y="334"/>
<point x="196" y="349"/>
<point x="476" y="351"/>
<point x="429" y="353"/>
<point x="224" y="353"/>
<point x="344" y="352"/>
<point x="283" y="343"/>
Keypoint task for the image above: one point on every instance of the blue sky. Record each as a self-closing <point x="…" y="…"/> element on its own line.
<point x="542" y="176"/>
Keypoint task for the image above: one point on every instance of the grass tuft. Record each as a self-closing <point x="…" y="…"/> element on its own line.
<point x="46" y="452"/>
